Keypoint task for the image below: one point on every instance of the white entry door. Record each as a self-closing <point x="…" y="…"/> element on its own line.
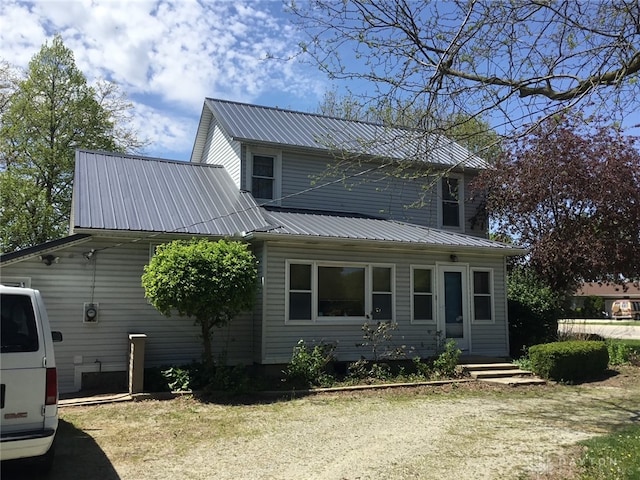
<point x="453" y="304"/>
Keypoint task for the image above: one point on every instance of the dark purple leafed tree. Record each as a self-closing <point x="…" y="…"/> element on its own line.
<point x="570" y="191"/>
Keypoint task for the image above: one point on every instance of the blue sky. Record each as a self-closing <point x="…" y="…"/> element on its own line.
<point x="167" y="56"/>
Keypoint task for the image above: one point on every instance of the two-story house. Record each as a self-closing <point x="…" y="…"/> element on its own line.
<point x="351" y="222"/>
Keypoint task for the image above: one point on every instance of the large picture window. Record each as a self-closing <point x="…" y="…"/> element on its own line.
<point x="422" y="281"/>
<point x="341" y="291"/>
<point x="482" y="296"/>
<point x="330" y="291"/>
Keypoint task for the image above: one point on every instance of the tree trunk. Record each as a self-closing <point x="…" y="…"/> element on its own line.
<point x="206" y="341"/>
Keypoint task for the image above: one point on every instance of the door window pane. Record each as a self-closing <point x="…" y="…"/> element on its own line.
<point x="454" y="327"/>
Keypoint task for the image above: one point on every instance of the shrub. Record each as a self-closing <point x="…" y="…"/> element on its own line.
<point x="534" y="309"/>
<point x="619" y="352"/>
<point x="569" y="361"/>
<point x="308" y="367"/>
<point x="444" y="365"/>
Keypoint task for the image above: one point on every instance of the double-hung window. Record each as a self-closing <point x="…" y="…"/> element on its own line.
<point x="482" y="296"/>
<point x="318" y="291"/>
<point x="422" y="294"/>
<point x="263" y="177"/>
<point x="451" y="205"/>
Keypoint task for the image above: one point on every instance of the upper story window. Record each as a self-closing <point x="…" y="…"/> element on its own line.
<point x="264" y="172"/>
<point x="451" y="208"/>
<point x="262" y="178"/>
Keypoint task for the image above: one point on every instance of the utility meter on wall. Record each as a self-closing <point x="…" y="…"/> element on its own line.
<point x="90" y="313"/>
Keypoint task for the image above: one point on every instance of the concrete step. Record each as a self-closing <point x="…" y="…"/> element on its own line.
<point x="513" y="372"/>
<point x="476" y="367"/>
<point x="515" y="381"/>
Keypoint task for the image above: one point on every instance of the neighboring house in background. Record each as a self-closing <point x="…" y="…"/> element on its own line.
<point x="608" y="292"/>
<point x="330" y="258"/>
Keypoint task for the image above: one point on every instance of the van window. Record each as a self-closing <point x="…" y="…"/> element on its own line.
<point x="18" y="331"/>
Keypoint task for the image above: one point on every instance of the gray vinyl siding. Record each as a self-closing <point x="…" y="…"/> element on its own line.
<point x="220" y="149"/>
<point x="115" y="285"/>
<point x="374" y="193"/>
<point x="420" y="339"/>
<point x="471" y="205"/>
<point x="259" y="250"/>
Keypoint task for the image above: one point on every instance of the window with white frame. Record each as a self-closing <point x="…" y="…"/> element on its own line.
<point x="422" y="294"/>
<point x="482" y="295"/>
<point x="451" y="191"/>
<point x="263" y="176"/>
<point x="319" y="291"/>
<point x="382" y="293"/>
<point x="300" y="293"/>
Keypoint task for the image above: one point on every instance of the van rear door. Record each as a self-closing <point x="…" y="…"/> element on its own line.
<point x="23" y="364"/>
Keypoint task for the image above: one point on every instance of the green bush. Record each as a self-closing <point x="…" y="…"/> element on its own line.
<point x="569" y="361"/>
<point x="619" y="352"/>
<point x="444" y="365"/>
<point x="308" y="367"/>
<point x="534" y="309"/>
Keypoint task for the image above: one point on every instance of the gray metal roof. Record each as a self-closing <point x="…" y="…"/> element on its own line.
<point x="132" y="193"/>
<point x="45" y="247"/>
<point x="118" y="192"/>
<point x="278" y="127"/>
<point x="309" y="223"/>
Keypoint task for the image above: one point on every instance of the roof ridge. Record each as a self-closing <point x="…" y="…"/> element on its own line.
<point x="315" y="114"/>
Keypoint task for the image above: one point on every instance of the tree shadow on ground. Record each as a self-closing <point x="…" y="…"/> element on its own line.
<point x="78" y="457"/>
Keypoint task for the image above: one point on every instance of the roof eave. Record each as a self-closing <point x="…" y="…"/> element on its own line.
<point x="43" y="248"/>
<point x="502" y="251"/>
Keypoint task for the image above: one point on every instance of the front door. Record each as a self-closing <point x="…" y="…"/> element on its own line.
<point x="453" y="315"/>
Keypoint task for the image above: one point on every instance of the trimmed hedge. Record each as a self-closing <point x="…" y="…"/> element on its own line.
<point x="569" y="361"/>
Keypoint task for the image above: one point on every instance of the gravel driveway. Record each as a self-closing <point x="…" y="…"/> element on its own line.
<point x="451" y="432"/>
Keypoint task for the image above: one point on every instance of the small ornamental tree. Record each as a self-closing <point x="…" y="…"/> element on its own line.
<point x="209" y="281"/>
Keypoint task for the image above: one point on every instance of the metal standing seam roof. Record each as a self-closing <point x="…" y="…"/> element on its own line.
<point x="360" y="227"/>
<point x="275" y="126"/>
<point x="134" y="193"/>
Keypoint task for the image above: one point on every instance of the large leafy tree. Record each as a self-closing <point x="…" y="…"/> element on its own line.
<point x="570" y="191"/>
<point x="512" y="61"/>
<point x="210" y="282"/>
<point x="45" y="117"/>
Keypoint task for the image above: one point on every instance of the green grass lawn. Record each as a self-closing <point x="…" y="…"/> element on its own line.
<point x="612" y="457"/>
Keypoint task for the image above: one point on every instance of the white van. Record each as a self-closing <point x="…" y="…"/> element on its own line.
<point x="28" y="378"/>
<point x="625" y="309"/>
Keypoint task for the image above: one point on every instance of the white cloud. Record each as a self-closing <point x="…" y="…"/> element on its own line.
<point x="167" y="55"/>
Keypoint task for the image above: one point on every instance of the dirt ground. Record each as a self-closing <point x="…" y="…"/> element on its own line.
<point x="471" y="430"/>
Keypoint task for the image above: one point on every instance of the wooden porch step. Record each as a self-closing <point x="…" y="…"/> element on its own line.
<point x="478" y="367"/>
<point x="515" y="381"/>
<point x="501" y="373"/>
<point x="512" y="372"/>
